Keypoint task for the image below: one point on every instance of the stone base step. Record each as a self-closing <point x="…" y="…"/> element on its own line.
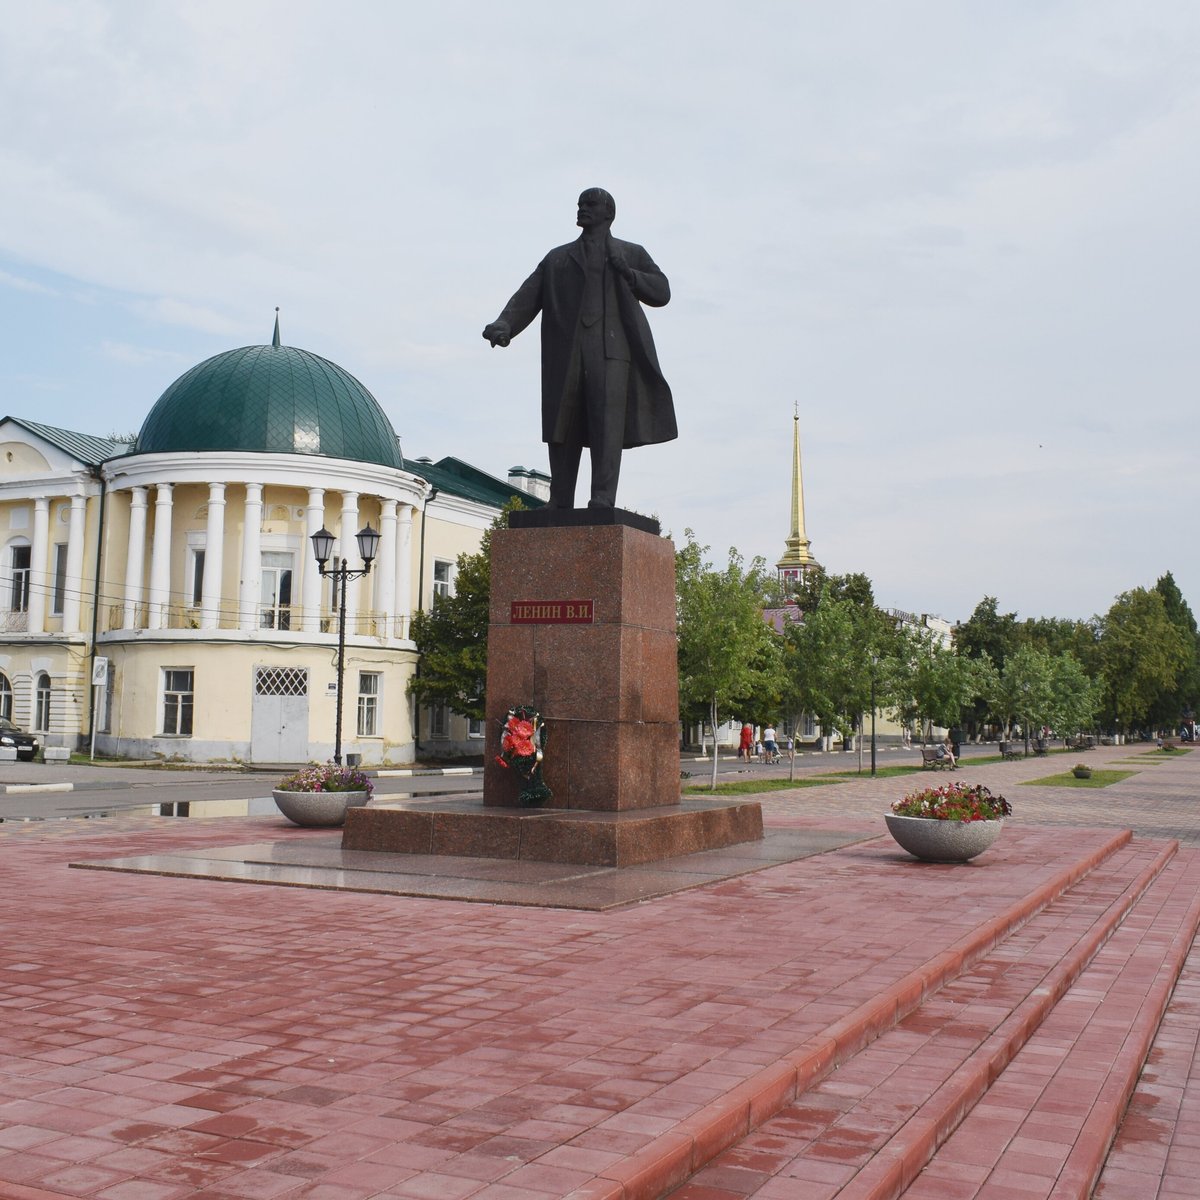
<point x="584" y="837"/>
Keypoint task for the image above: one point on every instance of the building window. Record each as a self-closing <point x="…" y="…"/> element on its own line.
<point x="368" y="704"/>
<point x="20" y="579"/>
<point x="41" y="704"/>
<point x="439" y="723"/>
<point x="60" y="579"/>
<point x="197" y="577"/>
<point x="275" y="610"/>
<point x="178" y="698"/>
<point x="5" y="698"/>
<point x="443" y="579"/>
<point x="474" y="727"/>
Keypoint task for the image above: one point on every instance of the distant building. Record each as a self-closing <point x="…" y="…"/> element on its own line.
<point x="183" y="563"/>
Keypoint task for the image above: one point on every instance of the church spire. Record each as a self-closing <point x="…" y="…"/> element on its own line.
<point x="275" y="340"/>
<point x="797" y="559"/>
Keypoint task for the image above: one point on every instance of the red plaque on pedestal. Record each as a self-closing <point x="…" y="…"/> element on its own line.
<point x="552" y="612"/>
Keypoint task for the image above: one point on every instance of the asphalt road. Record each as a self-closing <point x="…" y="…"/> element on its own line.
<point x="85" y="790"/>
<point x="91" y="791"/>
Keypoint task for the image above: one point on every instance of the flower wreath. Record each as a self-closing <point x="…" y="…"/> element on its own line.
<point x="521" y="746"/>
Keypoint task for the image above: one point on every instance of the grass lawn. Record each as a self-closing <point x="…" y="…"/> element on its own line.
<point x="747" y="786"/>
<point x="1099" y="779"/>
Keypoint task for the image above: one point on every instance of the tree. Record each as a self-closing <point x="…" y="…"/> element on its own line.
<point x="986" y="634"/>
<point x="1075" y="697"/>
<point x="727" y="652"/>
<point x="451" y="637"/>
<point x="1023" y="690"/>
<point x="1142" y="655"/>
<point x="1185" y="695"/>
<point x="940" y="683"/>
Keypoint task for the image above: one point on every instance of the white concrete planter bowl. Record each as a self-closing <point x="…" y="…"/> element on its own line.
<point x="942" y="841"/>
<point x="318" y="810"/>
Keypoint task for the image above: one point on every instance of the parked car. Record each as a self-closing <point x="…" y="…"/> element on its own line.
<point x="26" y="744"/>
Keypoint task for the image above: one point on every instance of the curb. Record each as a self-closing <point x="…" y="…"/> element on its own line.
<point x="409" y="772"/>
<point x="24" y="788"/>
<point x="674" y="1156"/>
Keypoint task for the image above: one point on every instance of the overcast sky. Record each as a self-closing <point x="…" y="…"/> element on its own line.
<point x="961" y="237"/>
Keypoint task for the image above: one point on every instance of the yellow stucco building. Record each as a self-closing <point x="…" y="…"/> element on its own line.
<point x="164" y="596"/>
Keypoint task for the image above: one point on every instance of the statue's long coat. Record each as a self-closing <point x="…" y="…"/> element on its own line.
<point x="555" y="290"/>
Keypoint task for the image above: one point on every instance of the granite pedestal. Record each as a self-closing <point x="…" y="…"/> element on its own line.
<point x="582" y="629"/>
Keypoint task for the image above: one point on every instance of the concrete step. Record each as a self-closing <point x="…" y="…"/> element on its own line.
<point x="867" y="1131"/>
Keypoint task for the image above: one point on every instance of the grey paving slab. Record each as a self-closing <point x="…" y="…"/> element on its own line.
<point x="322" y="863"/>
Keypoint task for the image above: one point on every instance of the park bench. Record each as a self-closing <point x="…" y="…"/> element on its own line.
<point x="1084" y="741"/>
<point x="1009" y="750"/>
<point x="931" y="759"/>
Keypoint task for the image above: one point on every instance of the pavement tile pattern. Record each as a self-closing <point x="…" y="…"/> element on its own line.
<point x="167" y="1038"/>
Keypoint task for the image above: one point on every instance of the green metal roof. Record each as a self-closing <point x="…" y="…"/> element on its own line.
<point x="270" y="399"/>
<point x="459" y="478"/>
<point x="81" y="446"/>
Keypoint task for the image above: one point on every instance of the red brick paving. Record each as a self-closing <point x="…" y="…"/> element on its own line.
<point x="168" y="1038"/>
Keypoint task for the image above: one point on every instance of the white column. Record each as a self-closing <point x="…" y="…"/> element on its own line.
<point x="160" y="558"/>
<point x="135" y="556"/>
<point x="404" y="571"/>
<point x="214" y="558"/>
<point x="348" y="549"/>
<point x="248" y="594"/>
<point x="310" y="596"/>
<point x="39" y="548"/>
<point x="73" y="592"/>
<point x="385" y="568"/>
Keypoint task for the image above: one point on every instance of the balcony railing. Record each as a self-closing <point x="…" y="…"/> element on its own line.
<point x="267" y="623"/>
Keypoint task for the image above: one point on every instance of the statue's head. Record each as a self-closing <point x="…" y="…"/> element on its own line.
<point x="595" y="206"/>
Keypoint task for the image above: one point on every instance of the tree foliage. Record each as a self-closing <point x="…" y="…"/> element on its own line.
<point x="940" y="683"/>
<point x="1184" y="695"/>
<point x="451" y="637"/>
<point x="844" y="651"/>
<point x="727" y="653"/>
<point x="1143" y="654"/>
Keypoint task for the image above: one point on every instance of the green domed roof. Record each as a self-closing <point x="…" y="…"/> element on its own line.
<point x="273" y="399"/>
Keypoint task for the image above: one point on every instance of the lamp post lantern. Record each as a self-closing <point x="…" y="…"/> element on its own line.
<point x="368" y="546"/>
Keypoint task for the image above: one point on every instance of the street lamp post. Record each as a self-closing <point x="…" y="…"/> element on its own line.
<point x="874" y="664"/>
<point x="368" y="545"/>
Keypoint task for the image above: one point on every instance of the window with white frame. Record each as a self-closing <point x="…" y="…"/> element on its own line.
<point x="197" y="593"/>
<point x="443" y="579"/>
<point x="439" y="723"/>
<point x="6" y="697"/>
<point x="41" y="704"/>
<point x="275" y="594"/>
<point x="474" y="727"/>
<point x="368" y="704"/>
<point x="19" y="593"/>
<point x="178" y="701"/>
<point x="59" y="594"/>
